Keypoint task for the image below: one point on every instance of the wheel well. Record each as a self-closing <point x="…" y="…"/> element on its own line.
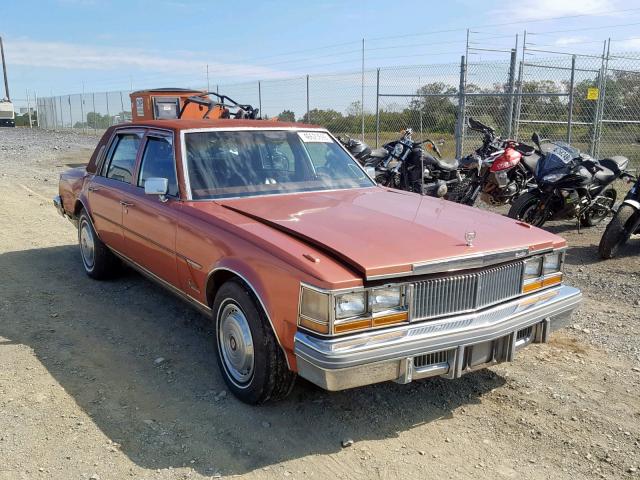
<point x="77" y="208"/>
<point x="216" y="280"/>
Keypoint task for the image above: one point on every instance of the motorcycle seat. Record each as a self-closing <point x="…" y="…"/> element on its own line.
<point x="442" y="165"/>
<point x="531" y="161"/>
<point x="616" y="164"/>
<point x="379" y="153"/>
<point x="604" y="175"/>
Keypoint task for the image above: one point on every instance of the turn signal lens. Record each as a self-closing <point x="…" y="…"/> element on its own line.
<point x="315" y="326"/>
<point x="391" y="319"/>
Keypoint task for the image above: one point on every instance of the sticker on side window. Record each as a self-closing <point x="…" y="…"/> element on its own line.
<point x="315" y="137"/>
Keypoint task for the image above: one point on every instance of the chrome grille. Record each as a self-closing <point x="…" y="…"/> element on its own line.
<point x="430" y="359"/>
<point x="466" y="292"/>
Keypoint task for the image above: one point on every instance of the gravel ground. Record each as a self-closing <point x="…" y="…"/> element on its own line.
<point x="112" y="380"/>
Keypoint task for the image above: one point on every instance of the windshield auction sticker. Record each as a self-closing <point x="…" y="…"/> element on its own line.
<point x="315" y="137"/>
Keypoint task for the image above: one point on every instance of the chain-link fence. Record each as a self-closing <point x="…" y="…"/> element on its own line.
<point x="591" y="101"/>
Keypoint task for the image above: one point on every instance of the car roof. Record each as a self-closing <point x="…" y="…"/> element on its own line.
<point x="184" y="124"/>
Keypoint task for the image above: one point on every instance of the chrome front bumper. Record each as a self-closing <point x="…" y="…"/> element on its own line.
<point x="448" y="347"/>
<point x="57" y="202"/>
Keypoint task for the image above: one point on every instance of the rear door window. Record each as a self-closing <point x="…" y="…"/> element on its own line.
<point x="123" y="157"/>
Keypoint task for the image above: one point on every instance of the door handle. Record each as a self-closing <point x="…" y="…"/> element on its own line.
<point x="93" y="189"/>
<point x="126" y="204"/>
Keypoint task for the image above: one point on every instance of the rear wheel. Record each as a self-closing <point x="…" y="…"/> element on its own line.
<point x="617" y="232"/>
<point x="526" y="208"/>
<point x="252" y="363"/>
<point x="98" y="261"/>
<point x="598" y="213"/>
<point x="461" y="192"/>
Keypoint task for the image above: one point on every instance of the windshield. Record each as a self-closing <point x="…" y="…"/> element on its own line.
<point x="248" y="163"/>
<point x="557" y="155"/>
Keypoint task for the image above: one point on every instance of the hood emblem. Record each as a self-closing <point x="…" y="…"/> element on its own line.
<point x="469" y="237"/>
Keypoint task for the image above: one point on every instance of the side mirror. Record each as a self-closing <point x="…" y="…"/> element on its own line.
<point x="157" y="186"/>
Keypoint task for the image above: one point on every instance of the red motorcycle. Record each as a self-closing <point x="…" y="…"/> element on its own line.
<point x="498" y="172"/>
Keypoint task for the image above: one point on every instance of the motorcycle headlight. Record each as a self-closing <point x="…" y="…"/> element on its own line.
<point x="386" y="298"/>
<point x="350" y="305"/>
<point x="552" y="177"/>
<point x="398" y="149"/>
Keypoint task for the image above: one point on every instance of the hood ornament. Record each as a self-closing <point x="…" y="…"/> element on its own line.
<point x="469" y="237"/>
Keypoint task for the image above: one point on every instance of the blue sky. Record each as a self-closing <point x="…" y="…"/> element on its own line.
<point x="63" y="46"/>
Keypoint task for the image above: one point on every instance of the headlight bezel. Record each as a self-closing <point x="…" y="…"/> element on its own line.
<point x="366" y="320"/>
<point x="547" y="276"/>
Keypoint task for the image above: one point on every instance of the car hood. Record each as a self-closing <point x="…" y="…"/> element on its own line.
<point x="381" y="232"/>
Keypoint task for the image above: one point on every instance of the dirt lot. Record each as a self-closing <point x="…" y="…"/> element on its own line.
<point x="112" y="380"/>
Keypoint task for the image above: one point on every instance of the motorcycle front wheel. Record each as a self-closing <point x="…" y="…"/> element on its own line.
<point x="526" y="209"/>
<point x="617" y="232"/>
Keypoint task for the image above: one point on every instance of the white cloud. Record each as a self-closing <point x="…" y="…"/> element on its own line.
<point x="566" y="41"/>
<point x="541" y="9"/>
<point x="72" y="56"/>
<point x="630" y="44"/>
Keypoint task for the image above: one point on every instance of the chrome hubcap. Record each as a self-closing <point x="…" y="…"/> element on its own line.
<point x="236" y="344"/>
<point x="87" y="247"/>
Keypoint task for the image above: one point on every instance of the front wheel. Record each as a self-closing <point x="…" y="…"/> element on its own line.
<point x="617" y="232"/>
<point x="251" y="361"/>
<point x="526" y="208"/>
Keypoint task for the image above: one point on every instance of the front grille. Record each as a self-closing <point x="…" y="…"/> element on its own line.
<point x="466" y="292"/>
<point x="525" y="333"/>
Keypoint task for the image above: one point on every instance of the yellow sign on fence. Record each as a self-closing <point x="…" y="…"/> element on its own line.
<point x="593" y="93"/>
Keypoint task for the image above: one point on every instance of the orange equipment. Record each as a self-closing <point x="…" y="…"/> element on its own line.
<point x="172" y="103"/>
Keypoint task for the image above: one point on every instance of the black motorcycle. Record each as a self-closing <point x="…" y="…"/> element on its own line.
<point x="403" y="164"/>
<point x="498" y="171"/>
<point x="625" y="222"/>
<point x="569" y="185"/>
<point x="363" y="153"/>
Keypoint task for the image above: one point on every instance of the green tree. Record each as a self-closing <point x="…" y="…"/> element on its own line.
<point x="287" y="116"/>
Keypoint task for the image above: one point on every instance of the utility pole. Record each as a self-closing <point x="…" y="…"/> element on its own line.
<point x="362" y="91"/>
<point x="4" y="71"/>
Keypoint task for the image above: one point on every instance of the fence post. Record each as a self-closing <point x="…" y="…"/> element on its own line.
<point x="461" y="107"/>
<point x="377" y="107"/>
<point x="106" y="94"/>
<point x="603" y="95"/>
<point x="518" y="110"/>
<point x="511" y="97"/>
<point x="596" y="115"/>
<point x="83" y="121"/>
<point x="308" y="114"/>
<point x="93" y="100"/>
<point x="259" y="99"/>
<point x="572" y="80"/>
<point x="122" y="120"/>
<point x="61" y="112"/>
<point x="70" y="112"/>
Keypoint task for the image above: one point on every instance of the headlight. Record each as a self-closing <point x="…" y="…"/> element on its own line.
<point x="398" y="149"/>
<point x="552" y="263"/>
<point x="386" y="298"/>
<point x="333" y="313"/>
<point x="552" y="177"/>
<point x="542" y="271"/>
<point x="532" y="268"/>
<point x="350" y="305"/>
